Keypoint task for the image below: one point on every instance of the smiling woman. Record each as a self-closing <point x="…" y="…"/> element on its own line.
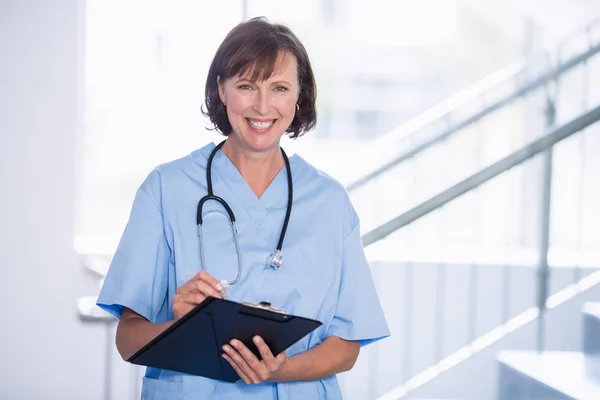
<point x="260" y="111"/>
<point x="260" y="86"/>
<point x="271" y="71"/>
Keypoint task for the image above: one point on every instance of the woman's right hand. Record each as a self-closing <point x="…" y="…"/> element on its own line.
<point x="194" y="291"/>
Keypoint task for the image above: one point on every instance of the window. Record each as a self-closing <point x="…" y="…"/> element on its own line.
<point x="145" y="68"/>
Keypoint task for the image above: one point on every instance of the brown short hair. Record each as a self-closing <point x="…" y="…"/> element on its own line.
<point x="254" y="46"/>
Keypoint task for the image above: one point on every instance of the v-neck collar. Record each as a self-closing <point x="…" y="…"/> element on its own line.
<point x="236" y="182"/>
<point x="256" y="208"/>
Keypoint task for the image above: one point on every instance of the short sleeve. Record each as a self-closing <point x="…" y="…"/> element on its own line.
<point x="138" y="274"/>
<point x="359" y="315"/>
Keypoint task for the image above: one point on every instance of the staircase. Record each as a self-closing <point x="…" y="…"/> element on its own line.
<point x="519" y="220"/>
<point x="560" y="375"/>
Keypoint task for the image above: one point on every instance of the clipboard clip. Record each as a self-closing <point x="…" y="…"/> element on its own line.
<point x="264" y="305"/>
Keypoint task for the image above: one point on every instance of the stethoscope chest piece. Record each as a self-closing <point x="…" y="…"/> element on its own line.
<point x="275" y="260"/>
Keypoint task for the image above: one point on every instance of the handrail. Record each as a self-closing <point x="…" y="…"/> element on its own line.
<point x="475" y="90"/>
<point x="548" y="140"/>
<point x="526" y="88"/>
<point x="453" y="102"/>
<point x="440" y="110"/>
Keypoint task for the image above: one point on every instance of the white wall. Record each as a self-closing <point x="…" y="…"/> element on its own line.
<point x="45" y="352"/>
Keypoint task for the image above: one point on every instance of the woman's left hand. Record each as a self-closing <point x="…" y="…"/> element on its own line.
<point x="248" y="366"/>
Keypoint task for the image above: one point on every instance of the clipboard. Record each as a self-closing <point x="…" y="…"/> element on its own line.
<point x="193" y="344"/>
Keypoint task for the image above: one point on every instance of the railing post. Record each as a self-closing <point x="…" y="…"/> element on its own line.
<point x="543" y="274"/>
<point x="244" y="10"/>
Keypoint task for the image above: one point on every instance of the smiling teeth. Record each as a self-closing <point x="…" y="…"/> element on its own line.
<point x="260" y="125"/>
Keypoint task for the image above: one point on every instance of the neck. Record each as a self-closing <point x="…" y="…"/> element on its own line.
<point x="258" y="169"/>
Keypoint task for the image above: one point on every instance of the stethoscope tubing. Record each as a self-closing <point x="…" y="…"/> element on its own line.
<point x="275" y="259"/>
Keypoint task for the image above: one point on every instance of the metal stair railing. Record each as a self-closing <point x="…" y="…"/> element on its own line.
<point x="483" y="176"/>
<point x="443" y="109"/>
<point x="414" y="125"/>
<point x="540" y="146"/>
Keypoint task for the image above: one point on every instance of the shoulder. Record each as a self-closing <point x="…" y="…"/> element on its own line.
<point x="197" y="159"/>
<point x="318" y="178"/>
<point x="329" y="191"/>
<point x="167" y="175"/>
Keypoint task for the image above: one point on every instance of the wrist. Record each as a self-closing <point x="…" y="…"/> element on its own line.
<point x="283" y="372"/>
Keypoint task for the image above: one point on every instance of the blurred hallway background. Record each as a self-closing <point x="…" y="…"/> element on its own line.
<point x="464" y="130"/>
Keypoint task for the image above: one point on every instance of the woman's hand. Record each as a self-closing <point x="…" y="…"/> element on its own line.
<point x="249" y="367"/>
<point x="194" y="291"/>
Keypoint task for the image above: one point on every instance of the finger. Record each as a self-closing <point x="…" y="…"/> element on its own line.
<point x="237" y="369"/>
<point x="242" y="364"/>
<point x="281" y="357"/>
<point x="207" y="289"/>
<point x="253" y="362"/>
<point x="204" y="276"/>
<point x="181" y="304"/>
<point x="201" y="287"/>
<point x="191" y="298"/>
<point x="265" y="351"/>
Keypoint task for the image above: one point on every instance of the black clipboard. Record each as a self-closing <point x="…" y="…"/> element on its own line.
<point x="193" y="344"/>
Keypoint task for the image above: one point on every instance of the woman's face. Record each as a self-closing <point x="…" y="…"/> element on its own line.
<point x="261" y="111"/>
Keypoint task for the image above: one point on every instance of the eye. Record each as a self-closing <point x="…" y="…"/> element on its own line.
<point x="244" y="87"/>
<point x="281" y="89"/>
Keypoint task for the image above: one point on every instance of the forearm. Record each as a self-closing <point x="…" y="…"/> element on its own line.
<point x="333" y="356"/>
<point x="135" y="332"/>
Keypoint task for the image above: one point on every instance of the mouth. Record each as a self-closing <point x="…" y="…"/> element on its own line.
<point x="260" y="125"/>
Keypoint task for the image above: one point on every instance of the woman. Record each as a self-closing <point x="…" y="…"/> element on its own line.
<point x="260" y="86"/>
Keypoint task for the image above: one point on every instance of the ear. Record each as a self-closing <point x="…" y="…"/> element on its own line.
<point x="221" y="90"/>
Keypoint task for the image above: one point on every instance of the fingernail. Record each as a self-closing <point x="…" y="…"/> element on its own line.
<point x="225" y="348"/>
<point x="219" y="287"/>
<point x="256" y="339"/>
<point x="234" y="343"/>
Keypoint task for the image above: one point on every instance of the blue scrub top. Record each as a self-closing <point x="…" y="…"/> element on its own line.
<point x="324" y="275"/>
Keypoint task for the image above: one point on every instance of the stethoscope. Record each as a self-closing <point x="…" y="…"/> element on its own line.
<point x="275" y="259"/>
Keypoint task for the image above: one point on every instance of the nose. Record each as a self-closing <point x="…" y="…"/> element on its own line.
<point x="262" y="103"/>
